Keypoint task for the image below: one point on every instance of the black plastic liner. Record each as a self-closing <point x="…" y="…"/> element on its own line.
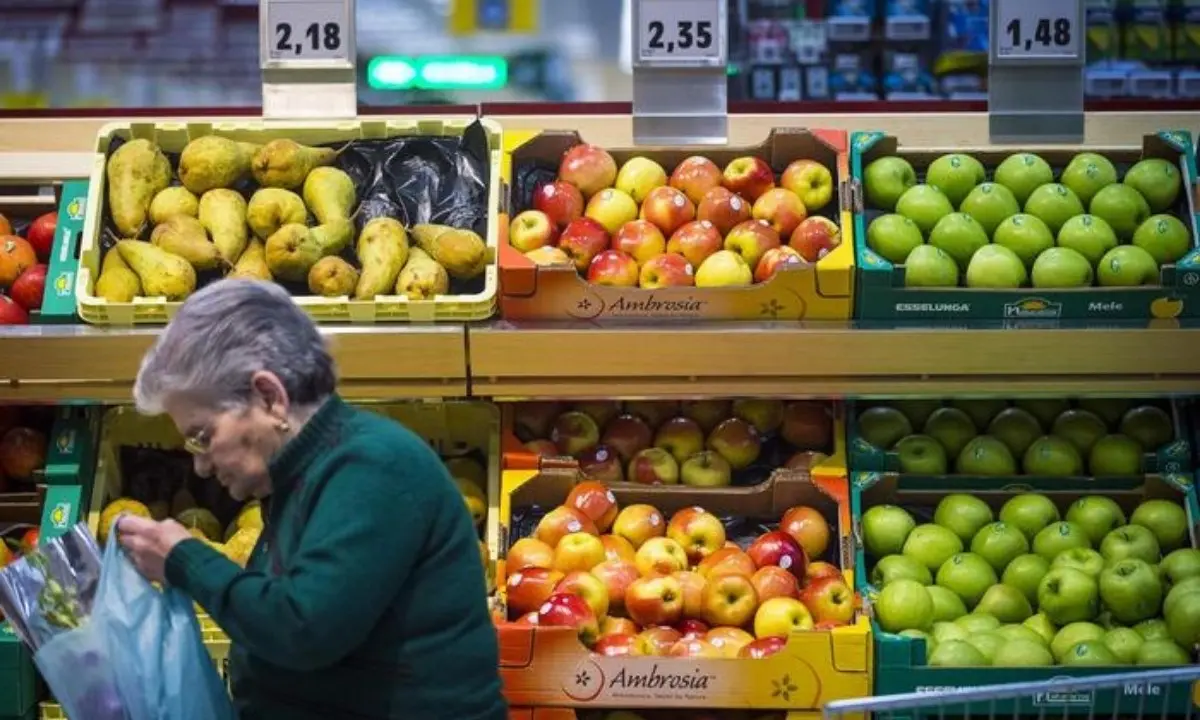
<point x="413" y="179"/>
<point x="154" y="475"/>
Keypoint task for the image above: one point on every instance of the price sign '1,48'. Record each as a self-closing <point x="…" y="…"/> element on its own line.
<point x="308" y="30"/>
<point x="680" y="30"/>
<point x="1038" y="29"/>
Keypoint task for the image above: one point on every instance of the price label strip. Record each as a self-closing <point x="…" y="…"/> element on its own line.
<point x="1038" y="29"/>
<point x="308" y="30"/>
<point x="680" y="33"/>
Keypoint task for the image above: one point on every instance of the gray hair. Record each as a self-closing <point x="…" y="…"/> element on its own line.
<point x="225" y="333"/>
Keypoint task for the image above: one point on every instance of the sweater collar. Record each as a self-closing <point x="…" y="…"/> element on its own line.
<point x="313" y="440"/>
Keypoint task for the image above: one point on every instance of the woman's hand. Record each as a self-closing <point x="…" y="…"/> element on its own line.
<point x="149" y="542"/>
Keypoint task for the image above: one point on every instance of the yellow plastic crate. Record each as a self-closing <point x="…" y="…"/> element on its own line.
<point x="173" y="136"/>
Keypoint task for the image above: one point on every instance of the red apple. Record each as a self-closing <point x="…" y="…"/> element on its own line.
<point x="612" y="209"/>
<point x="656" y="600"/>
<point x="729" y="600"/>
<point x="599" y="410"/>
<point x="638" y="176"/>
<point x="829" y="600"/>
<point x="690" y="627"/>
<point x="811" y="181"/>
<point x="778" y="548"/>
<point x="549" y="257"/>
<point x="534" y="419"/>
<point x="695" y="176"/>
<point x="809" y="528"/>
<point x="667" y="270"/>
<point x="560" y="522"/>
<point x="815" y="238"/>
<point x="638" y="523"/>
<point x="578" y="551"/>
<point x="11" y="313"/>
<point x="751" y="240"/>
<point x="668" y="208"/>
<point x="660" y="556"/>
<point x="542" y="448"/>
<point x="749" y="177"/>
<point x="615" y="645"/>
<point x="726" y="561"/>
<point x="526" y="590"/>
<point x="777" y="259"/>
<point x="653" y="466"/>
<point x="773" y="581"/>
<point x="693" y="592"/>
<point x="640" y="239"/>
<point x="807" y="425"/>
<point x="528" y="552"/>
<point x="603" y="464"/>
<point x="594" y="500"/>
<point x="612" y="625"/>
<point x="656" y="640"/>
<point x="613" y="268"/>
<point x="724" y="209"/>
<point x="781" y="209"/>
<point x="41" y="234"/>
<point x="763" y="647"/>
<point x="531" y="230"/>
<point x="616" y="576"/>
<point x="29" y="288"/>
<point x="627" y="435"/>
<point x="781" y="616"/>
<point x="561" y="201"/>
<point x="805" y="460"/>
<point x="566" y="610"/>
<point x="737" y="441"/>
<point x="582" y="240"/>
<point x="699" y="532"/>
<point x="617" y="548"/>
<point x="587" y="586"/>
<point x="693" y="648"/>
<point x="695" y="241"/>
<point x="820" y="569"/>
<point x="706" y="469"/>
<point x="589" y="168"/>
<point x="680" y="436"/>
<point x="654" y="412"/>
<point x="575" y="433"/>
<point x="729" y="640"/>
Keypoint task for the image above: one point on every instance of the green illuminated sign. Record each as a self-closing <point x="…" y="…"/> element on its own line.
<point x="438" y="72"/>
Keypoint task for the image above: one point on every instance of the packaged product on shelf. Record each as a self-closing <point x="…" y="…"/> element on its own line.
<point x="751" y="233"/>
<point x="1026" y="237"/>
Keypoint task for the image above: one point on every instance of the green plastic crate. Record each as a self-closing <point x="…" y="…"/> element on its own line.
<point x="18" y="680"/>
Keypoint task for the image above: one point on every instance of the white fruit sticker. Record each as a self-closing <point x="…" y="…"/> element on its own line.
<point x="514" y="579"/>
<point x="680" y="200"/>
<point x="574" y="526"/>
<point x="545" y="608"/>
<point x="656" y="519"/>
<point x="785" y="562"/>
<point x="611" y="498"/>
<point x="735" y="202"/>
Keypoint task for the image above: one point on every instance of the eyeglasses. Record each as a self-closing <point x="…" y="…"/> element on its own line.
<point x="197" y="443"/>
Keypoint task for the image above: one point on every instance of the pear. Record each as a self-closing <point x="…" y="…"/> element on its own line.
<point x="286" y="163"/>
<point x="252" y="265"/>
<point x="136" y="172"/>
<point x="334" y="235"/>
<point x="291" y="252"/>
<point x="329" y="193"/>
<point x="383" y="251"/>
<point x="332" y="277"/>
<point x="117" y="283"/>
<point x="185" y="236"/>
<point x="422" y="278"/>
<point x="462" y="252"/>
<point x="161" y="273"/>
<point x="272" y="208"/>
<point x="223" y="215"/>
<point x="211" y="162"/>
<point x="173" y="201"/>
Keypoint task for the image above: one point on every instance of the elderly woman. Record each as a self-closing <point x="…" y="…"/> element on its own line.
<point x="364" y="597"/>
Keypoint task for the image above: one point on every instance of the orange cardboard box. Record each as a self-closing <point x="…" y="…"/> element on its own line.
<point x="821" y="291"/>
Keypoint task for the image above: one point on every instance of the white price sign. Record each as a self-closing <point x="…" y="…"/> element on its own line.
<point x="679" y="32"/>
<point x="1038" y="29"/>
<point x="308" y="30"/>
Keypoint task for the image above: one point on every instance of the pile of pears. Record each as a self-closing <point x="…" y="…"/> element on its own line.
<point x="296" y="227"/>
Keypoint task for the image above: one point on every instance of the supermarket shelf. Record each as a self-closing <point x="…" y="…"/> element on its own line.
<point x="828" y="360"/>
<point x="53" y="363"/>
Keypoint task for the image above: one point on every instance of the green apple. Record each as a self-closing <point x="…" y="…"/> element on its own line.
<point x="990" y="204"/>
<point x="1026" y="235"/>
<point x="1089" y="235"/>
<point x="1166" y="519"/>
<point x="955" y="175"/>
<point x="1087" y="173"/>
<point x="1131" y="590"/>
<point x="1044" y="409"/>
<point x="1122" y="207"/>
<point x="1023" y="173"/>
<point x="1041" y="625"/>
<point x="1109" y="410"/>
<point x="1022" y="652"/>
<point x="1186" y="587"/>
<point x="924" y="205"/>
<point x="1016" y="428"/>
<point x="978" y="623"/>
<point x="1019" y="631"/>
<point x="1058" y="537"/>
<point x="1097" y="515"/>
<point x="1124" y="643"/>
<point x="962" y="514"/>
<point x="981" y="411"/>
<point x="1161" y="653"/>
<point x="1163" y="236"/>
<point x="1179" y="565"/>
<point x="956" y="653"/>
<point x="952" y="427"/>
<point x="1157" y="180"/>
<point x="904" y="605"/>
<point x="1155" y="629"/>
<point x="968" y="576"/>
<point x="986" y="643"/>
<point x="1055" y="204"/>
<point x="945" y="631"/>
<point x="1090" y="653"/>
<point x="1068" y="595"/>
<point x="1029" y="513"/>
<point x="1060" y="267"/>
<point x="885" y="528"/>
<point x="1007" y="603"/>
<point x="886" y="179"/>
<point x="1071" y="635"/>
<point x="883" y="426"/>
<point x="946" y="605"/>
<point x="996" y="267"/>
<point x="1052" y="456"/>
<point x="927" y="266"/>
<point x="1130" y="541"/>
<point x="931" y="545"/>
<point x="917" y="410"/>
<point x="1115" y="455"/>
<point x="1127" y="266"/>
<point x="959" y="235"/>
<point x="893" y="237"/>
<point x="999" y="543"/>
<point x="1085" y="559"/>
<point x="1183" y="621"/>
<point x="986" y="455"/>
<point x="1149" y="425"/>
<point x="1025" y="572"/>
<point x="921" y="455"/>
<point x="1081" y="428"/>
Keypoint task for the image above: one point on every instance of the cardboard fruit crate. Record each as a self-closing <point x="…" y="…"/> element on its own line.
<point x="901" y="661"/>
<point x="549" y="667"/>
<point x="819" y="291"/>
<point x="172" y="137"/>
<point x="21" y="205"/>
<point x="882" y="294"/>
<point x="1174" y="457"/>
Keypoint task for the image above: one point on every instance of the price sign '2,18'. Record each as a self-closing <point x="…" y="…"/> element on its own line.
<point x="680" y="30"/>
<point x="1038" y="29"/>
<point x="308" y="30"/>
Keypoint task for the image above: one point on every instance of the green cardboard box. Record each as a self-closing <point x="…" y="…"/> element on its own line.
<point x="58" y="302"/>
<point x="18" y="680"/>
<point x="72" y="451"/>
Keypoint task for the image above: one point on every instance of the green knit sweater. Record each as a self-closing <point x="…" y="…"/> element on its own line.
<point x="364" y="597"/>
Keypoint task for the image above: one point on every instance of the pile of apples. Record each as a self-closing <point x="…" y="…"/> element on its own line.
<point x="23" y="268"/>
<point x="1034" y="588"/>
<point x="1043" y="437"/>
<point x="700" y="225"/>
<point x="632" y="582"/>
<point x="701" y="443"/>
<point x="1026" y="227"/>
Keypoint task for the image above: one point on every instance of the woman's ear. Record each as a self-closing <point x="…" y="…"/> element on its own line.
<point x="268" y="387"/>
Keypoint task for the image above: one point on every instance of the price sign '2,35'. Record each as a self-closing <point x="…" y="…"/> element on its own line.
<point x="680" y="32"/>
<point x="1038" y="29"/>
<point x="308" y="30"/>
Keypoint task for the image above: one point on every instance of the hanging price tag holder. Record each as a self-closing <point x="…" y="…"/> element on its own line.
<point x="308" y="57"/>
<point x="680" y="84"/>
<point x="1036" y="59"/>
